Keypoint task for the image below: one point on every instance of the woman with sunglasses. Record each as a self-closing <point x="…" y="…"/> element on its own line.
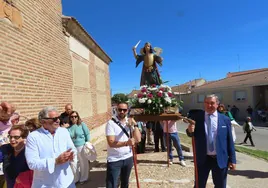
<point x="79" y="133"/>
<point x="15" y="167"/>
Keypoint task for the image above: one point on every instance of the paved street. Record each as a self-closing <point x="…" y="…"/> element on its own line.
<point x="153" y="171"/>
<point x="259" y="137"/>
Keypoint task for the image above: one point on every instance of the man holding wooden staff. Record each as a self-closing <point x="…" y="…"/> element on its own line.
<point x="122" y="133"/>
<point x="213" y="144"/>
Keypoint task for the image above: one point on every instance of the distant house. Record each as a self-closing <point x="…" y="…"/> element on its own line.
<point x="133" y="92"/>
<point x="188" y="86"/>
<point x="238" y="88"/>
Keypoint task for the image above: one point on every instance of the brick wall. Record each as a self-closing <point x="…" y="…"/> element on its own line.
<point x="99" y="118"/>
<point x="95" y="119"/>
<point x="35" y="64"/>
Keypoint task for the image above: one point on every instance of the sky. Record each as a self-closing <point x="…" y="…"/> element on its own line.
<point x="200" y="38"/>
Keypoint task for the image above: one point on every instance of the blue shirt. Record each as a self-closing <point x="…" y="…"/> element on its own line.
<point x="42" y="149"/>
<point x="214" y="127"/>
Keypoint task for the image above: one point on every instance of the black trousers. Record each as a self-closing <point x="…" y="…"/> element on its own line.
<point x="250" y="138"/>
<point x="158" y="134"/>
<point x="219" y="176"/>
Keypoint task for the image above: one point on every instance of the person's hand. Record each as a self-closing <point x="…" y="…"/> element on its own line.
<point x="191" y="128"/>
<point x="134" y="48"/>
<point x="6" y="111"/>
<point x="71" y="158"/>
<point x="131" y="142"/>
<point x="65" y="156"/>
<point x="232" y="166"/>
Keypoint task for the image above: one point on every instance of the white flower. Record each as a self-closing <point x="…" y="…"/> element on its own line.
<point x="167" y="99"/>
<point x="149" y="101"/>
<point x="144" y="93"/>
<point x="152" y="88"/>
<point x="166" y="94"/>
<point x="161" y="105"/>
<point x="160" y="91"/>
<point x="144" y="86"/>
<point x="141" y="100"/>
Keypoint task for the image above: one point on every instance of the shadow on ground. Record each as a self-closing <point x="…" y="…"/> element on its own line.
<point x="96" y="180"/>
<point x="251" y="174"/>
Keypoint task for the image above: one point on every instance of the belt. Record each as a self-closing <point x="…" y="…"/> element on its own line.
<point x="212" y="156"/>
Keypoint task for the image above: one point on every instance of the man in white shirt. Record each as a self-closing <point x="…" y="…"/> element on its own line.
<point x="120" y="137"/>
<point x="49" y="151"/>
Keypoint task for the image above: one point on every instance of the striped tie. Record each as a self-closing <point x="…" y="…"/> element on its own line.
<point x="210" y="137"/>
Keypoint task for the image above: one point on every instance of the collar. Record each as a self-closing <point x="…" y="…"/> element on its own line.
<point x="215" y="114"/>
<point x="46" y="131"/>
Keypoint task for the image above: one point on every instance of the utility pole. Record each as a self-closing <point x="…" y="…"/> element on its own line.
<point x="238" y="58"/>
<point x="178" y="85"/>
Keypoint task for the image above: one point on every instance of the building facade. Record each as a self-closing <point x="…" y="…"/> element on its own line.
<point x="242" y="89"/>
<point x="45" y="63"/>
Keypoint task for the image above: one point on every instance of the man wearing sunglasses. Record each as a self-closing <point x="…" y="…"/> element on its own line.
<point x="121" y="134"/>
<point x="49" y="151"/>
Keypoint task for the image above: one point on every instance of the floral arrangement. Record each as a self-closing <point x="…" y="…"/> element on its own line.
<point x="154" y="99"/>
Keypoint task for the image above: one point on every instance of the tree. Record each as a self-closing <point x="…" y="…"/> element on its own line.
<point x="119" y="97"/>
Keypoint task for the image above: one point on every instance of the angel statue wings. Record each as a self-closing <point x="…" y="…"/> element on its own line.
<point x="150" y="57"/>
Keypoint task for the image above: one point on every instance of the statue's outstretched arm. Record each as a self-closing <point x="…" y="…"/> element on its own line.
<point x="135" y="52"/>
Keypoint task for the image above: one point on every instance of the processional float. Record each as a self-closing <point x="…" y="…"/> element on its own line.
<point x="155" y="100"/>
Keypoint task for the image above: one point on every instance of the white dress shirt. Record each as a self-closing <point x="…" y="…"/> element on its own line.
<point x="42" y="148"/>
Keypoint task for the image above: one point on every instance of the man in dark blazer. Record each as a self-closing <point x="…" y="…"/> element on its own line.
<point x="213" y="142"/>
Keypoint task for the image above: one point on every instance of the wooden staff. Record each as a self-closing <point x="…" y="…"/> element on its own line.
<point x="167" y="142"/>
<point x="187" y="120"/>
<point x="135" y="162"/>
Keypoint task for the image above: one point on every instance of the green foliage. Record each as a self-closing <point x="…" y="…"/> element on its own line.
<point x="119" y="97"/>
<point x="253" y="152"/>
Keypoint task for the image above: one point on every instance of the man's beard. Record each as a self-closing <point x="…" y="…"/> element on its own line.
<point x="121" y="116"/>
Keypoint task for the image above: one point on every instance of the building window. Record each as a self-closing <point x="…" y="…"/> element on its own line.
<point x="200" y="98"/>
<point x="240" y="95"/>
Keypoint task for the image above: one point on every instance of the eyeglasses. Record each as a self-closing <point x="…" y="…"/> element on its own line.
<point x="122" y="109"/>
<point x="54" y="119"/>
<point x="15" y="137"/>
<point x="74" y="116"/>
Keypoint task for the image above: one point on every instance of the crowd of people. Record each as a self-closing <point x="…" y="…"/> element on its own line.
<point x="40" y="152"/>
<point x="48" y="150"/>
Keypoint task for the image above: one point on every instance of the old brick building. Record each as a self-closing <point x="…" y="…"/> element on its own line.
<point x="48" y="59"/>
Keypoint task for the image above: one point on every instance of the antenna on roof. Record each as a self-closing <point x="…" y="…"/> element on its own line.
<point x="238" y="58"/>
